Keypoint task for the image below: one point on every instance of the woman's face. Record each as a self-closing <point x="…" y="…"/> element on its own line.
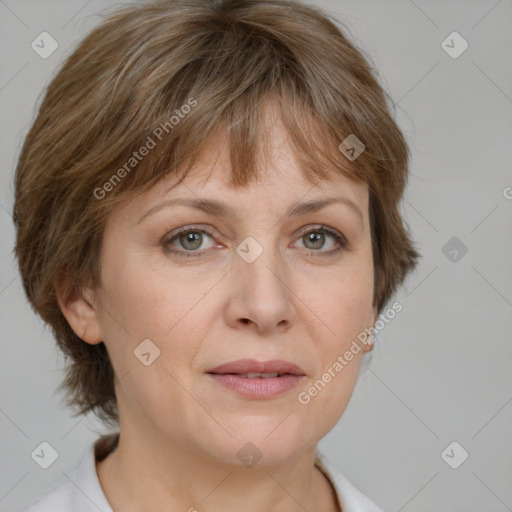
<point x="252" y="282"/>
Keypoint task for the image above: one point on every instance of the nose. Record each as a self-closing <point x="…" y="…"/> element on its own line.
<point x="262" y="299"/>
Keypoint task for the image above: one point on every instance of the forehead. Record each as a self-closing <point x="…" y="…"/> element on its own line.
<point x="283" y="193"/>
<point x="278" y="184"/>
<point x="279" y="173"/>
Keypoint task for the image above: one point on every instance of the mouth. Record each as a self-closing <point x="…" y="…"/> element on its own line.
<point x="257" y="379"/>
<point x="255" y="375"/>
<point x="250" y="368"/>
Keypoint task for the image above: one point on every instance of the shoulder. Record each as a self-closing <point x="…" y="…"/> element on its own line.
<point x="350" y="497"/>
<point x="57" y="497"/>
<point x="78" y="491"/>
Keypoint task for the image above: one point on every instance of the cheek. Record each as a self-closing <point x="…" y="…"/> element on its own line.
<point x="144" y="301"/>
<point x="171" y="310"/>
<point x="341" y="306"/>
<point x="342" y="303"/>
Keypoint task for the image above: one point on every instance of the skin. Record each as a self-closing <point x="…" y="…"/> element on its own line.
<point x="180" y="432"/>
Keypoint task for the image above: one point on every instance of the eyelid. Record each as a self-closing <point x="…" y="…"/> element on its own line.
<point x="318" y="227"/>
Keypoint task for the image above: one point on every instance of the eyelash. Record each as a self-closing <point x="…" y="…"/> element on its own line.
<point x="342" y="242"/>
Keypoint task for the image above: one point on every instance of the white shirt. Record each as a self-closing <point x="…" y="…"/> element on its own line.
<point x="81" y="490"/>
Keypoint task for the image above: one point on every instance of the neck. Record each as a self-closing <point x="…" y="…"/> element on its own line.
<point x="144" y="476"/>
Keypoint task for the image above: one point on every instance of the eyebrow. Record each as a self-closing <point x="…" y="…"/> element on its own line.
<point x="223" y="210"/>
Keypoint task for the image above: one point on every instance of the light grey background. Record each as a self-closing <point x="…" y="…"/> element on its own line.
<point x="441" y="370"/>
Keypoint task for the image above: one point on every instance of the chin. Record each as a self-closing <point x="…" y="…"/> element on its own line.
<point x="267" y="440"/>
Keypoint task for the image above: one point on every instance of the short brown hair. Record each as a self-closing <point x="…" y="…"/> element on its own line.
<point x="226" y="60"/>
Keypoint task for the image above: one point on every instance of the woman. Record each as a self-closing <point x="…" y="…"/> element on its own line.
<point x="207" y="217"/>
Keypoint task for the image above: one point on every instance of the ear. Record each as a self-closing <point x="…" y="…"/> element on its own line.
<point x="80" y="310"/>
<point x="372" y="318"/>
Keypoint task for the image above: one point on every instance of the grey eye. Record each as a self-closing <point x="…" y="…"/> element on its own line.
<point x="191" y="240"/>
<point x="314" y="240"/>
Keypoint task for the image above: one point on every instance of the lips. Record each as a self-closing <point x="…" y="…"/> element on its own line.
<point x="251" y="368"/>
